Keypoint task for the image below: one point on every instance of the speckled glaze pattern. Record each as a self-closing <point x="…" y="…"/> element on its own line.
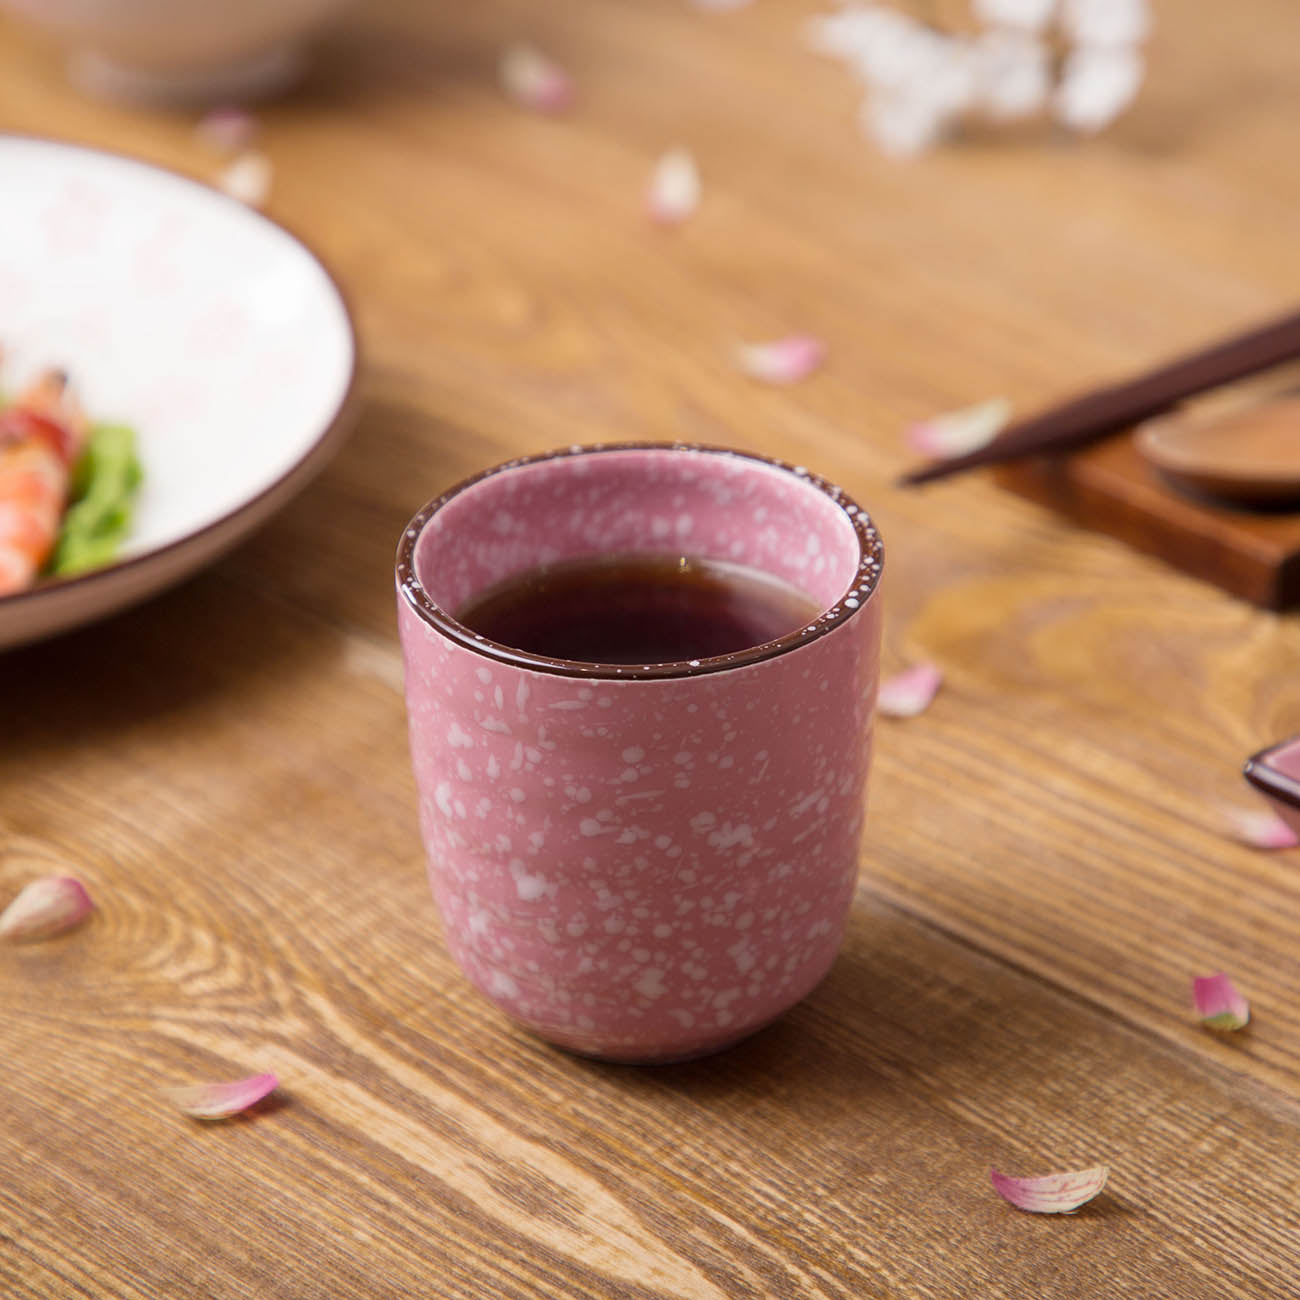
<point x="636" y="863"/>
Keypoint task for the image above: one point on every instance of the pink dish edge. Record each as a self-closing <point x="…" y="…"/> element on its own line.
<point x="1275" y="773"/>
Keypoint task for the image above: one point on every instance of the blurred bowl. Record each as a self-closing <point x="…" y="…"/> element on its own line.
<point x="209" y="329"/>
<point x="193" y="51"/>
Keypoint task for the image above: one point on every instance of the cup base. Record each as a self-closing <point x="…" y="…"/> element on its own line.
<point x="256" y="76"/>
<point x="676" y="1054"/>
<point x="668" y="1058"/>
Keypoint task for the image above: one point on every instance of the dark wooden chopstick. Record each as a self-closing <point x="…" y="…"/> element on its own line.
<point x="1107" y="410"/>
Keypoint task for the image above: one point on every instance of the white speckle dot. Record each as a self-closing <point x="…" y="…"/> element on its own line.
<point x="651" y="983"/>
<point x="633" y="754"/>
<point x="516" y="794"/>
<point x="590" y="826"/>
<point x="682" y="757"/>
<point x="501" y="983"/>
<point x="663" y="841"/>
<point x="530" y="888"/>
<point x="662" y="931"/>
<point x="458" y="738"/>
<point x="463" y="770"/>
<point x="727" y="836"/>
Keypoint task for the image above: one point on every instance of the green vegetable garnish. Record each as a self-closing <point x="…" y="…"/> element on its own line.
<point x="104" y="484"/>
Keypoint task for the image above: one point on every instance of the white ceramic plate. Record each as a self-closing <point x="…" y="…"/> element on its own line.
<point x="205" y="326"/>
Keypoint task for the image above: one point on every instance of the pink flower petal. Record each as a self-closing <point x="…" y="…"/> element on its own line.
<point x="1259" y="828"/>
<point x="957" y="432"/>
<point x="1218" y="1004"/>
<point x="783" y="361"/>
<point x="674" y="188"/>
<point x="221" y="1100"/>
<point x="226" y="130"/>
<point x="910" y="692"/>
<point x="1052" y="1193"/>
<point x="247" y="179"/>
<point x="46" y="907"/>
<point x="534" y="81"/>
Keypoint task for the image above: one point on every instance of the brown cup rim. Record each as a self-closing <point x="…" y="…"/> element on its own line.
<point x="866" y="579"/>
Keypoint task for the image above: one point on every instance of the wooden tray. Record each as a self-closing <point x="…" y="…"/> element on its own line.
<point x="1110" y="487"/>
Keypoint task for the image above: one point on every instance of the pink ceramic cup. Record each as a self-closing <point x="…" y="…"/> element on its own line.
<point x="642" y="863"/>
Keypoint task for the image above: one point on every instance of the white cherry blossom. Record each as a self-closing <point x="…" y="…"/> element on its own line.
<point x="1105" y="22"/>
<point x="1013" y="73"/>
<point x="1097" y="85"/>
<point x="1032" y="15"/>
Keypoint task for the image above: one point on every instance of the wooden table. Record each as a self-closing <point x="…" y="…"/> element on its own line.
<point x="226" y="767"/>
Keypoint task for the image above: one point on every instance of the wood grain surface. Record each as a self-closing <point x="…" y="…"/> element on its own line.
<point x="1252" y="553"/>
<point x="1044" y="873"/>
